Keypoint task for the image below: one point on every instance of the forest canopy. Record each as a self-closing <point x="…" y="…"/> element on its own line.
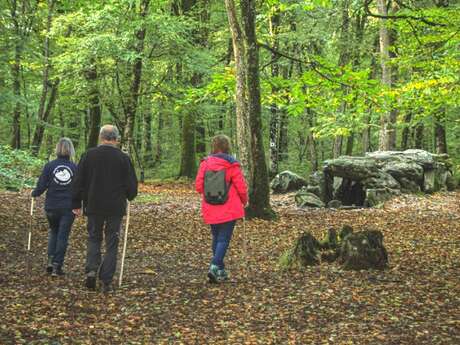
<point x="336" y="77"/>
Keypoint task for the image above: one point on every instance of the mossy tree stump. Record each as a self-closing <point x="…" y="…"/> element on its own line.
<point x="363" y="250"/>
<point x="304" y="253"/>
<point x="360" y="250"/>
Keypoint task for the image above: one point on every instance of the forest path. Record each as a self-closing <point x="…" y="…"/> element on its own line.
<point x="165" y="298"/>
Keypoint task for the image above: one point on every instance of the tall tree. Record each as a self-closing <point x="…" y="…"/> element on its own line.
<point x="132" y="100"/>
<point x="46" y="105"/>
<point x="259" y="196"/>
<point x="387" y="138"/>
<point x="242" y="107"/>
<point x="94" y="105"/>
<point x="275" y="120"/>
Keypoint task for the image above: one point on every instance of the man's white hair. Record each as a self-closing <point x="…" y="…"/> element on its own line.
<point x="109" y="133"/>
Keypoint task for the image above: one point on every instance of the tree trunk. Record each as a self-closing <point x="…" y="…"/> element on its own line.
<point x="419" y="129"/>
<point x="42" y="115"/>
<point x="201" y="139"/>
<point x="16" y="139"/>
<point x="344" y="59"/>
<point x="94" y="106"/>
<point x="188" y="157"/>
<point x="274" y="24"/>
<point x="242" y="111"/>
<point x="337" y="148"/>
<point x="159" y="150"/>
<point x="312" y="142"/>
<point x="440" y="132"/>
<point x="148" y="145"/>
<point x="387" y="139"/>
<point x="259" y="196"/>
<point x="406" y="131"/>
<point x="350" y="142"/>
<point x="15" y="71"/>
<point x="131" y="106"/>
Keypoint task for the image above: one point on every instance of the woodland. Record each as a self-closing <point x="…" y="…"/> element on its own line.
<point x="294" y="84"/>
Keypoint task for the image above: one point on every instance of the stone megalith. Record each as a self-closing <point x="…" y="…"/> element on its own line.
<point x="287" y="181"/>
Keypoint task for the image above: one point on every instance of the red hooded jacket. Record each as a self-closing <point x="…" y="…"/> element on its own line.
<point x="238" y="193"/>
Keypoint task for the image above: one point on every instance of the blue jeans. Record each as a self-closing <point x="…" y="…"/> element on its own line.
<point x="221" y="236"/>
<point x="60" y="222"/>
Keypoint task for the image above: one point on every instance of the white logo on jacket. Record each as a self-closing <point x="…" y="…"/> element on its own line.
<point x="62" y="175"/>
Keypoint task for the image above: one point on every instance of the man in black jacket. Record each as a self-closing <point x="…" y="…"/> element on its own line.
<point x="105" y="180"/>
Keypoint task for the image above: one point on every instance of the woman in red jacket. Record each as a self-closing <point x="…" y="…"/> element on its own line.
<point x="221" y="216"/>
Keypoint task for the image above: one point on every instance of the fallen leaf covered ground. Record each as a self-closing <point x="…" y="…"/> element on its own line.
<point x="165" y="298"/>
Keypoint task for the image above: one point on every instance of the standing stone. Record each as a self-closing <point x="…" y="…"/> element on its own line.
<point x="429" y="181"/>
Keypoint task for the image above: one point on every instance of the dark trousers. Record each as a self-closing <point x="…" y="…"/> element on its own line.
<point x="99" y="227"/>
<point x="221" y="236"/>
<point x="60" y="222"/>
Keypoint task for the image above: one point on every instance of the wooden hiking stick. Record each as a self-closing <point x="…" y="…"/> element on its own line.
<point x="245" y="248"/>
<point x="29" y="240"/>
<point x="124" y="246"/>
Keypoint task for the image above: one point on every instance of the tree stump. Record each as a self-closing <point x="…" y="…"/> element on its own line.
<point x="304" y="253"/>
<point x="363" y="250"/>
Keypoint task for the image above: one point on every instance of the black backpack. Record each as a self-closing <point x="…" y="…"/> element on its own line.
<point x="215" y="187"/>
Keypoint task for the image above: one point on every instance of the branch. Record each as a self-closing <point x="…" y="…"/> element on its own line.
<point x="397" y="17"/>
<point x="312" y="64"/>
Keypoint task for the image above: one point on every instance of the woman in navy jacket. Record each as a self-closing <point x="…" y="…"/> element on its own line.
<point x="56" y="179"/>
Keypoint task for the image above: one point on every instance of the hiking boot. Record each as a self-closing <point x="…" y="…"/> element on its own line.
<point x="107" y="288"/>
<point x="212" y="273"/>
<point x="91" y="280"/>
<point x="56" y="271"/>
<point x="222" y="275"/>
<point x="49" y="265"/>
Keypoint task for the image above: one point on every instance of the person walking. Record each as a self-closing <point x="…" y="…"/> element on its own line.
<point x="224" y="195"/>
<point x="105" y="180"/>
<point x="56" y="179"/>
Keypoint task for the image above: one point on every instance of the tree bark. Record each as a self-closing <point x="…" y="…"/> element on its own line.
<point x="16" y="139"/>
<point x="242" y="108"/>
<point x="259" y="195"/>
<point x="419" y="129"/>
<point x="43" y="114"/>
<point x="148" y="145"/>
<point x="94" y="106"/>
<point x="274" y="24"/>
<point x="312" y="141"/>
<point x="131" y="106"/>
<point x="387" y="138"/>
<point x="188" y="156"/>
<point x="405" y="135"/>
<point x="440" y="132"/>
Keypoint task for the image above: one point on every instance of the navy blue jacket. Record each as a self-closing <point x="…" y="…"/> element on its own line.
<point x="56" y="178"/>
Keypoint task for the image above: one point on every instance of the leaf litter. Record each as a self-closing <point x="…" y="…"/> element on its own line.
<point x="165" y="298"/>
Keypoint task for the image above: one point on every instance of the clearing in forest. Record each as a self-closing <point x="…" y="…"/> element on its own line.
<point x="166" y="299"/>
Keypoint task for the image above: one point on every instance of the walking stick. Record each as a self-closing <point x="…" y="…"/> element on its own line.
<point x="124" y="247"/>
<point x="30" y="223"/>
<point x="245" y="247"/>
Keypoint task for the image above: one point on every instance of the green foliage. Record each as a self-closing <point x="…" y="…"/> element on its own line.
<point x="18" y="169"/>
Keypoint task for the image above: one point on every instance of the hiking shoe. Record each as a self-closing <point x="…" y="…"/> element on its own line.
<point x="222" y="275"/>
<point x="49" y="265"/>
<point x="212" y="273"/>
<point x="56" y="271"/>
<point x="107" y="288"/>
<point x="91" y="280"/>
